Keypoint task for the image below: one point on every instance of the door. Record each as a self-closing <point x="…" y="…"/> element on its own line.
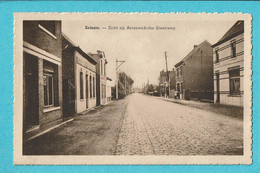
<point x="218" y="92"/>
<point x="86" y="91"/>
<point x="31" y="96"/>
<point x="68" y="97"/>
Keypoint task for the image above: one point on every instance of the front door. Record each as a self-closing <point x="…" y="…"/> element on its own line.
<point x="86" y="91"/>
<point x="31" y="96"/>
<point x="218" y="92"/>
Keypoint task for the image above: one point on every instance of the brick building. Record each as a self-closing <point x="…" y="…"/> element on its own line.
<point x="42" y="75"/>
<point x="228" y="55"/>
<point x="164" y="84"/>
<point x="79" y="78"/>
<point x="101" y="83"/>
<point x="194" y="73"/>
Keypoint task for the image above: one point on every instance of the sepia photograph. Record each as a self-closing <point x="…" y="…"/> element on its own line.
<point x="132" y="88"/>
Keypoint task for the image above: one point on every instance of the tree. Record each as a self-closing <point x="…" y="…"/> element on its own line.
<point x="125" y="83"/>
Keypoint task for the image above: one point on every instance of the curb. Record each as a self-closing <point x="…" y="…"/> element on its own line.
<point x="48" y="130"/>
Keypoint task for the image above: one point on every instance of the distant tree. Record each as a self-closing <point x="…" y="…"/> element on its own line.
<point x="125" y="84"/>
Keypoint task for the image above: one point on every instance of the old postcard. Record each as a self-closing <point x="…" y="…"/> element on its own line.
<point x="132" y="88"/>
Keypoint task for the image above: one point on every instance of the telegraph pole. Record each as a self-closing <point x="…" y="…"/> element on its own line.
<point x="117" y="77"/>
<point x="167" y="74"/>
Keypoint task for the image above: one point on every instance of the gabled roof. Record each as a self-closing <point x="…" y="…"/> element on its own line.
<point x="73" y="46"/>
<point x="82" y="53"/>
<point x="194" y="50"/>
<point x="236" y="29"/>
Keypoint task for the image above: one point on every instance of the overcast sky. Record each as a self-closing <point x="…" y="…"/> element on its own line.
<point x="143" y="50"/>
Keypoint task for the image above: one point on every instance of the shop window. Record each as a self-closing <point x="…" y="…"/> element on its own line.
<point x="81" y="86"/>
<point x="234" y="81"/>
<point x="50" y="84"/>
<point x="233" y="49"/>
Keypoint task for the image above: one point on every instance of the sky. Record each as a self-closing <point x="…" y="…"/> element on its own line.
<point x="143" y="50"/>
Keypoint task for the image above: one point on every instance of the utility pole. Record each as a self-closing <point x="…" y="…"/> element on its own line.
<point x="117" y="77"/>
<point x="167" y="74"/>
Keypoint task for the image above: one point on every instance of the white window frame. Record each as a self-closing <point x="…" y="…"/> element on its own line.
<point x="47" y="75"/>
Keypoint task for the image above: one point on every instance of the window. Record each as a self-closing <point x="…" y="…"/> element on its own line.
<point x="177" y="72"/>
<point x="234" y="81"/>
<point x="81" y="86"/>
<point x="48" y="25"/>
<point x="48" y="89"/>
<point x="217" y="55"/>
<point x="90" y="85"/>
<point x="101" y="67"/>
<point x="94" y="90"/>
<point x="50" y="84"/>
<point x="105" y="69"/>
<point x="233" y="49"/>
<point x="103" y="93"/>
<point x="181" y="71"/>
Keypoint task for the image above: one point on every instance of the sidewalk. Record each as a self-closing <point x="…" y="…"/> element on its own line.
<point x="94" y="132"/>
<point x="232" y="111"/>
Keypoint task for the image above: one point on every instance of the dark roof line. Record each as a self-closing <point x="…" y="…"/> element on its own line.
<point x="78" y="49"/>
<point x="235" y="30"/>
<point x="191" y="52"/>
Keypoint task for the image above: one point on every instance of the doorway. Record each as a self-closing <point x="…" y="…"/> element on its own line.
<point x="31" y="96"/>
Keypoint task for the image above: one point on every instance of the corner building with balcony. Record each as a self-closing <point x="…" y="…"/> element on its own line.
<point x="42" y="76"/>
<point x="79" y="79"/>
<point x="228" y="54"/>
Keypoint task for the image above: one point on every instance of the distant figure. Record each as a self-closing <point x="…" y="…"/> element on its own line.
<point x="177" y="95"/>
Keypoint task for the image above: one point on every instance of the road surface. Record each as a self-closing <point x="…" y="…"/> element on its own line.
<point x="155" y="127"/>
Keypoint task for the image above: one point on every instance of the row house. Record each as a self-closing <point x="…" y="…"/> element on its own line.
<point x="104" y="91"/>
<point x="194" y="73"/>
<point x="164" y="83"/>
<point x="42" y="75"/>
<point x="228" y="55"/>
<point x="79" y="79"/>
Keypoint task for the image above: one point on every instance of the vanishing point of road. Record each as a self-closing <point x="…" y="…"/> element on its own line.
<point x="144" y="125"/>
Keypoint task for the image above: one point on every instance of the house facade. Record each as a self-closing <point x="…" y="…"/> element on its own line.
<point x="164" y="84"/>
<point x="194" y="73"/>
<point x="228" y="55"/>
<point x="79" y="79"/>
<point x="101" y="83"/>
<point x="42" y="75"/>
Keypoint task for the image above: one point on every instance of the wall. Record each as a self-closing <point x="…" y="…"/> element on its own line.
<point x="198" y="72"/>
<point x="89" y="69"/>
<point x="34" y="35"/>
<point x="222" y="67"/>
<point x="44" y="45"/>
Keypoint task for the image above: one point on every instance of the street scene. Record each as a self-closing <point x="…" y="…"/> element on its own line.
<point x="108" y="88"/>
<point x="144" y="125"/>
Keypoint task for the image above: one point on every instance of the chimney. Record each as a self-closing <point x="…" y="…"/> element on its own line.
<point x="100" y="53"/>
